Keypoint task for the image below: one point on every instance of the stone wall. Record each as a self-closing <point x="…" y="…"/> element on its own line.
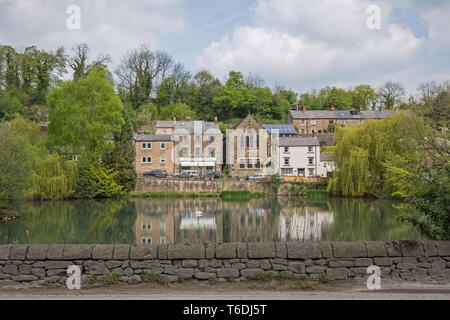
<point x="408" y="260"/>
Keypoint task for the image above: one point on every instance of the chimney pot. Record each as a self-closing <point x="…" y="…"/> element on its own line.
<point x="215" y="119"/>
<point x="381" y="108"/>
<point x="360" y="108"/>
<point x="304" y="108"/>
<point x="332" y="108"/>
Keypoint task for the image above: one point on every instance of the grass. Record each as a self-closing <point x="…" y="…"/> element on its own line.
<point x="155" y="278"/>
<point x="52" y="284"/>
<point x="111" y="279"/>
<point x="173" y="194"/>
<point x="241" y="195"/>
<point x="92" y="279"/>
<point x="322" y="279"/>
<point x="213" y="280"/>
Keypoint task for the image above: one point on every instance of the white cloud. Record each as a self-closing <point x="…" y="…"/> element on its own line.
<point x="308" y="44"/>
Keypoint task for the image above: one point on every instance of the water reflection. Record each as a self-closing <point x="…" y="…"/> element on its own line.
<point x="212" y="220"/>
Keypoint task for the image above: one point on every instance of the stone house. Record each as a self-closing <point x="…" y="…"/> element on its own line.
<point x="299" y="156"/>
<point x="153" y="152"/>
<point x="312" y="122"/>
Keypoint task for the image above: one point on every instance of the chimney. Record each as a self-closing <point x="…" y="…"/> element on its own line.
<point x="304" y="108"/>
<point x="215" y="119"/>
<point x="381" y="108"/>
<point x="360" y="108"/>
<point x="396" y="109"/>
<point x="332" y="108"/>
<point x="188" y="118"/>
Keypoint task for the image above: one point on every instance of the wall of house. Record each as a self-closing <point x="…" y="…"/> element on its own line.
<point x="155" y="153"/>
<point x="399" y="260"/>
<point x="298" y="158"/>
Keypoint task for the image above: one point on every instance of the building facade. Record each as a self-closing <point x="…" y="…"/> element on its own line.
<point x="311" y="122"/>
<point x="299" y="157"/>
<point x="154" y="152"/>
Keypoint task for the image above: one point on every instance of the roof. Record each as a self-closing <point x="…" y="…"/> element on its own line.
<point x="339" y="114"/>
<point x="298" y="142"/>
<point x="190" y="125"/>
<point x="165" y="124"/>
<point x="326" y="156"/>
<point x="282" y="128"/>
<point x="152" y="137"/>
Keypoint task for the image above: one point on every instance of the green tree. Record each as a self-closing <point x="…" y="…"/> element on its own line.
<point x="179" y="111"/>
<point x="15" y="163"/>
<point x="363" y="95"/>
<point x="390" y="94"/>
<point x="83" y="113"/>
<point x="340" y="98"/>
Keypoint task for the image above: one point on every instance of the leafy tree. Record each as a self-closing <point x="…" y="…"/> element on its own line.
<point x="15" y="163"/>
<point x="83" y="113"/>
<point x="340" y="98"/>
<point x="390" y="94"/>
<point x="146" y="115"/>
<point x="105" y="182"/>
<point x="363" y="95"/>
<point x="81" y="66"/>
<point x="122" y="155"/>
<point x="179" y="111"/>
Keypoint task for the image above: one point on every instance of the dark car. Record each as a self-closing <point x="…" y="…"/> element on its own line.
<point x="158" y="173"/>
<point x="212" y="174"/>
<point x="148" y="173"/>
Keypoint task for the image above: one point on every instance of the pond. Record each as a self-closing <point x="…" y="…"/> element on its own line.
<point x="206" y="220"/>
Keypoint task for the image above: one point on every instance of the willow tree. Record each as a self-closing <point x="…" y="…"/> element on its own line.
<point x="363" y="152"/>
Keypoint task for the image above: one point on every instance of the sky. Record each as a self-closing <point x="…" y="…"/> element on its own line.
<point x="298" y="44"/>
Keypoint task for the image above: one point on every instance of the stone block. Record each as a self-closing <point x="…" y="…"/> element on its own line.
<point x="242" y="251"/>
<point x="337" y="273"/>
<point x="261" y="250"/>
<point x="11" y="269"/>
<point x="281" y="250"/>
<point x="411" y="248"/>
<point x="204" y="275"/>
<point x="37" y="252"/>
<point x="74" y="252"/>
<point x="327" y="249"/>
<point x="297" y="267"/>
<point x="249" y="273"/>
<point x="56" y="264"/>
<point x="94" y="267"/>
<point x="143" y="252"/>
<point x="228" y="273"/>
<point x="363" y="262"/>
<point x="443" y="248"/>
<point x="298" y="250"/>
<point x="393" y="249"/>
<point x="184" y="272"/>
<point x="209" y="250"/>
<point x="376" y="249"/>
<point x="383" y="262"/>
<point x="5" y="249"/>
<point x="102" y="252"/>
<point x="349" y="249"/>
<point x="162" y="251"/>
<point x="190" y="263"/>
<point x="316" y="269"/>
<point x="55" y="252"/>
<point x="18" y="252"/>
<point x="121" y="252"/>
<point x="186" y="251"/>
<point x="430" y="248"/>
<point x="226" y="250"/>
<point x="22" y="278"/>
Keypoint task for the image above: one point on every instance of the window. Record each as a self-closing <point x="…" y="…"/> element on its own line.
<point x="286" y="171"/>
<point x="303" y="131"/>
<point x="312" y="131"/>
<point x="146" y="240"/>
<point x="211" y="152"/>
<point x="286" y="161"/>
<point x="310" y="161"/>
<point x="310" y="149"/>
<point x="313" y="122"/>
<point x="241" y="164"/>
<point x="144" y="146"/>
<point x="250" y="164"/>
<point x="147" y="226"/>
<point x="301" y="172"/>
<point x="302" y="121"/>
<point x="286" y="149"/>
<point x="144" y="160"/>
<point x="162" y="226"/>
<point x="162" y="240"/>
<point x="257" y="164"/>
<point x="149" y="145"/>
<point x="198" y="151"/>
<point x="311" y="171"/>
<point x="163" y="159"/>
<point x="197" y="138"/>
<point x="343" y="122"/>
<point x="242" y="142"/>
<point x="149" y="159"/>
<point x="185" y="138"/>
<point x="330" y="121"/>
<point x="257" y="141"/>
<point x="163" y="145"/>
<point x="164" y="130"/>
<point x="185" y="152"/>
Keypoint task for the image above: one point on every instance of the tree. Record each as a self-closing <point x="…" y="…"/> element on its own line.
<point x="179" y="111"/>
<point x="340" y="98"/>
<point x="435" y="102"/>
<point x="121" y="157"/>
<point x="15" y="163"/>
<point x="83" y="113"/>
<point x="363" y="95"/>
<point x="80" y="64"/>
<point x="390" y="94"/>
<point x="140" y="73"/>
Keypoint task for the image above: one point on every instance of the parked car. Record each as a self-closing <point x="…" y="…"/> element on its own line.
<point x="256" y="176"/>
<point x="188" y="174"/>
<point x="157" y="173"/>
<point x="213" y="174"/>
<point x="160" y="174"/>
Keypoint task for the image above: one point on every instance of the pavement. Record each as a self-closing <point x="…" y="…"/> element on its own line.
<point x="337" y="290"/>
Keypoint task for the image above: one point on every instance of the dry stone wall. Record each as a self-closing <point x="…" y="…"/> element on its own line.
<point x="408" y="260"/>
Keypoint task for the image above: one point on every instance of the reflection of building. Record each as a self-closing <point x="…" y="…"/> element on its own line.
<point x="303" y="224"/>
<point x="154" y="223"/>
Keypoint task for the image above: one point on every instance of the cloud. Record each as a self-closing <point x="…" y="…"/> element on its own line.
<point x="108" y="26"/>
<point x="308" y="44"/>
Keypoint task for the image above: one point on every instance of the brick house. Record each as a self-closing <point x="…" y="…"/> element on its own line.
<point x="311" y="122"/>
<point x="153" y="152"/>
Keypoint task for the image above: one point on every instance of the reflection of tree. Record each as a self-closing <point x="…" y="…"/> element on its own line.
<point x="359" y="219"/>
<point x="81" y="221"/>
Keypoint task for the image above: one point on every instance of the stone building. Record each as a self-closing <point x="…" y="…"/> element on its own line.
<point x="312" y="122"/>
<point x="299" y="157"/>
<point x="248" y="149"/>
<point x="153" y="152"/>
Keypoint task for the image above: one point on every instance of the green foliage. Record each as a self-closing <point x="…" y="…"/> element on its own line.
<point x="104" y="179"/>
<point x="112" y="279"/>
<point x="15" y="163"/>
<point x="361" y="154"/>
<point x="178" y="110"/>
<point x="274" y="182"/>
<point x="155" y="278"/>
<point x="340" y="98"/>
<point x="83" y="113"/>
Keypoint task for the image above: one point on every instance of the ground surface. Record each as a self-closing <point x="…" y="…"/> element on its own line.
<point x="249" y="290"/>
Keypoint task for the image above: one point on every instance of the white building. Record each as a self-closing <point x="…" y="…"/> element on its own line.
<point x="299" y="156"/>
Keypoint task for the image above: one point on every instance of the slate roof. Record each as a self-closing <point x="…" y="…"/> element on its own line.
<point x="298" y="142"/>
<point x="164" y="124"/>
<point x="339" y="114"/>
<point x="152" y="137"/>
<point x="282" y="128"/>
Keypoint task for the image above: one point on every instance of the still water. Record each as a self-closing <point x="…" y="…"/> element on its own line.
<point x="211" y="220"/>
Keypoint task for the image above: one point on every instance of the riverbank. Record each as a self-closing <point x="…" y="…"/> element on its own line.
<point x="225" y="195"/>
